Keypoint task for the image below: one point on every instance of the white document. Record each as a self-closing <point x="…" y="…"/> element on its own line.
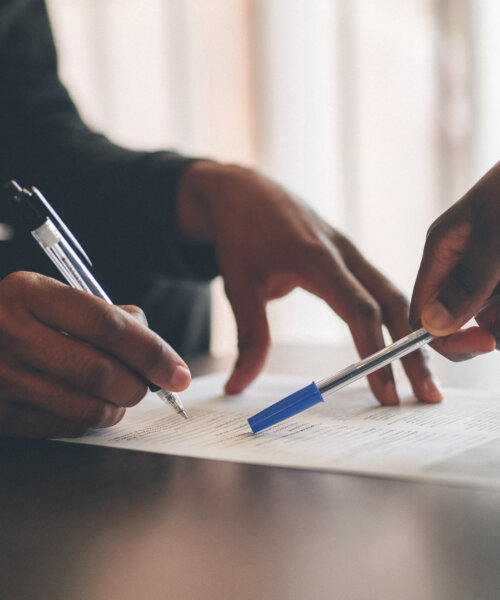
<point x="456" y="441"/>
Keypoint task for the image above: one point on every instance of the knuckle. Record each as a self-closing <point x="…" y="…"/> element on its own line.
<point x="368" y="310"/>
<point x="107" y="321"/>
<point x="436" y="231"/>
<point x="348" y="251"/>
<point x="318" y="250"/>
<point x="136" y="312"/>
<point x="98" y="375"/>
<point x="117" y="417"/>
<point x="96" y="414"/>
<point x="136" y="395"/>
<point x="312" y="251"/>
<point x="396" y="307"/>
<point x="430" y="233"/>
<point x="15" y="283"/>
<point x="398" y="303"/>
<point x="341" y="240"/>
<point x="153" y="358"/>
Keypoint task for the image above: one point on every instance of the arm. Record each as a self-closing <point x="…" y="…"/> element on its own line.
<point x="122" y="204"/>
<point x="265" y="243"/>
<point x="109" y="195"/>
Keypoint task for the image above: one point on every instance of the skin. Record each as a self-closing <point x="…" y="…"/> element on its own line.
<point x="69" y="361"/>
<point x="267" y="244"/>
<point x="60" y="384"/>
<point x="460" y="273"/>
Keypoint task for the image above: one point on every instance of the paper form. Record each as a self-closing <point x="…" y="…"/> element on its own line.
<point x="456" y="441"/>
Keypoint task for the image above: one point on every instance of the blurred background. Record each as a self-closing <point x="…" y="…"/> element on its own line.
<point x="379" y="113"/>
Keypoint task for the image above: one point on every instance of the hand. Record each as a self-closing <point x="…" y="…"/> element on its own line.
<point x="267" y="244"/>
<point x="55" y="384"/>
<point x="460" y="272"/>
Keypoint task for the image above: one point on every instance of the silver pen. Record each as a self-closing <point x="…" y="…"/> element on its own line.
<point x="313" y="393"/>
<point x="38" y="214"/>
<point x="375" y="361"/>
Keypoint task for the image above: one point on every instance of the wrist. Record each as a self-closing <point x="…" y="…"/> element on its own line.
<point x="204" y="189"/>
<point x="194" y="218"/>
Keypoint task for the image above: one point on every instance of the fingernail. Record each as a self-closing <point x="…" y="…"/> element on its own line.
<point x="181" y="378"/>
<point x="232" y="386"/>
<point x="391" y="396"/>
<point x="436" y="319"/>
<point x="110" y="417"/>
<point x="430" y="392"/>
<point x="467" y="356"/>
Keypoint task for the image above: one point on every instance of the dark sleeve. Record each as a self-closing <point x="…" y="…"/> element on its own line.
<point x="120" y="203"/>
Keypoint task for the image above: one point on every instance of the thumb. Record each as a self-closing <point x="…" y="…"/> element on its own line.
<point x="469" y="284"/>
<point x="253" y="336"/>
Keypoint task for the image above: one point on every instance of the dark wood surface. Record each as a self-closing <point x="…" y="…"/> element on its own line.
<point x="81" y="522"/>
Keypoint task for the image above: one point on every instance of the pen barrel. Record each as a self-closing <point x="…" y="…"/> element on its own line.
<point x="66" y="260"/>
<point x="376" y="361"/>
<point x="79" y="277"/>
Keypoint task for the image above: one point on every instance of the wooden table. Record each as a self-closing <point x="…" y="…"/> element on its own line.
<point x="88" y="523"/>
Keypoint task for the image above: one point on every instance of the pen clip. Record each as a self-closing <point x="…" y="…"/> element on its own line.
<point x="61" y="223"/>
<point x="21" y="201"/>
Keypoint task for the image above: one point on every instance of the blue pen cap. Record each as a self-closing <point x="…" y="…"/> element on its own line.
<point x="289" y="406"/>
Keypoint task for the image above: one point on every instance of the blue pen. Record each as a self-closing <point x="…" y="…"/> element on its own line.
<point x="313" y="393"/>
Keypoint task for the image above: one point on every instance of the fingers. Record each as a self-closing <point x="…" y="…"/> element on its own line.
<point x="465" y="344"/>
<point x="458" y="274"/>
<point x="337" y="285"/>
<point x="467" y="287"/>
<point x="69" y="361"/>
<point x="489" y="319"/>
<point x="18" y="420"/>
<point x="473" y="341"/>
<point x="253" y="333"/>
<point x="55" y="397"/>
<point x="460" y="266"/>
<point x="459" y="271"/>
<point x="80" y="365"/>
<point x="415" y="365"/>
<point x="107" y="328"/>
<point x="445" y="245"/>
<point x="136" y="312"/>
<point x="395" y="315"/>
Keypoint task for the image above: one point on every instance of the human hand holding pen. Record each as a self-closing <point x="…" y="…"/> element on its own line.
<point x="267" y="244"/>
<point x="460" y="272"/>
<point x="61" y="384"/>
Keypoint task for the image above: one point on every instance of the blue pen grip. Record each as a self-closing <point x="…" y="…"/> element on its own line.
<point x="289" y="406"/>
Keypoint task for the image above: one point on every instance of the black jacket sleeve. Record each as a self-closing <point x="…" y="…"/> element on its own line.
<point x="120" y="203"/>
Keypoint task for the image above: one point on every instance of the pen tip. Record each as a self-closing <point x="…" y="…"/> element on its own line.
<point x="183" y="413"/>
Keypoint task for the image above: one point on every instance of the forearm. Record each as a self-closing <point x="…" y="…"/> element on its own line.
<point x="120" y="202"/>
